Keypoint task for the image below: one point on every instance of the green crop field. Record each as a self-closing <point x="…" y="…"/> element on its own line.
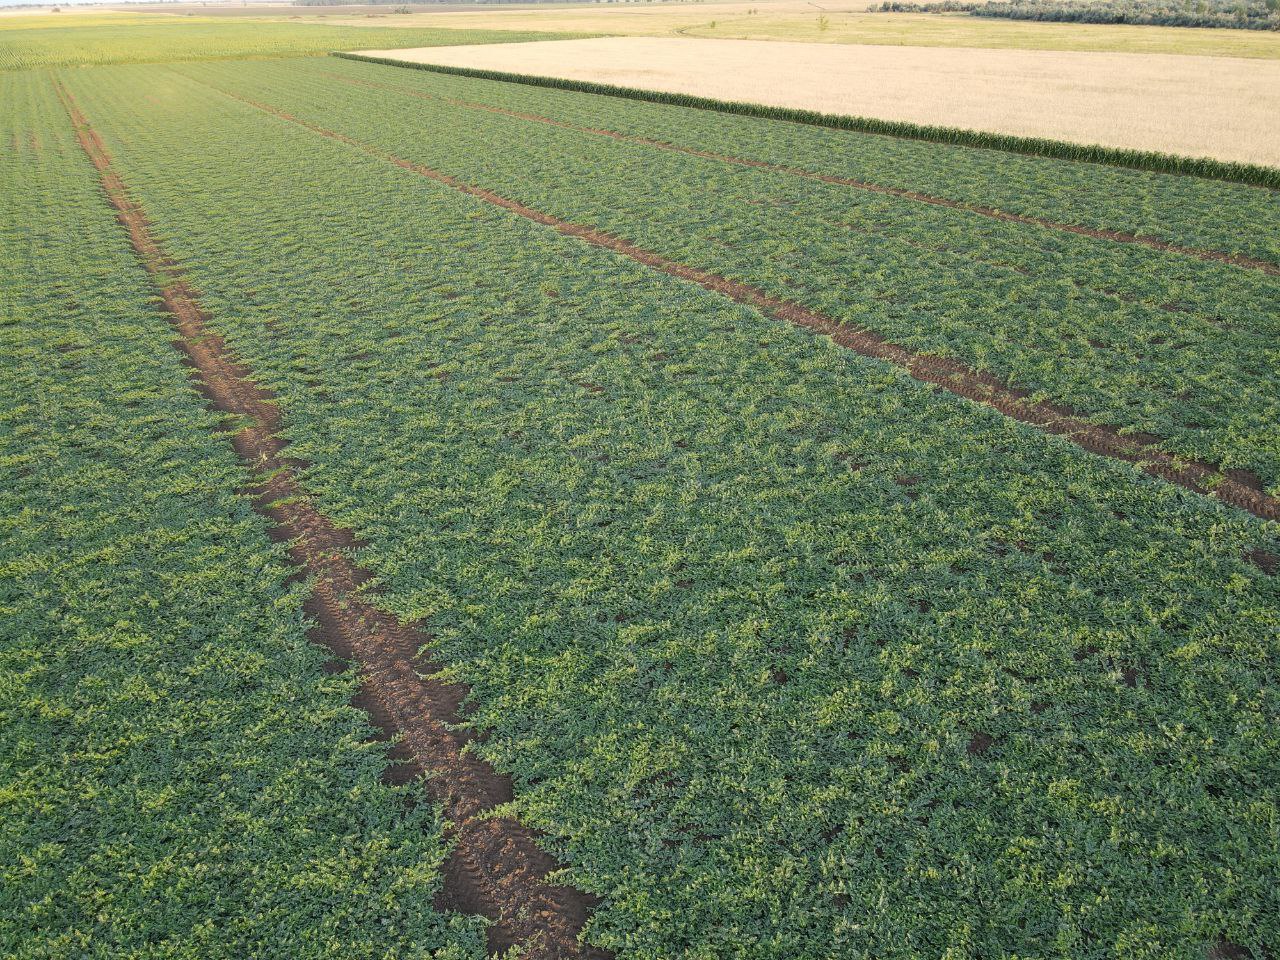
<point x="152" y="39"/>
<point x="178" y="775"/>
<point x="787" y="653"/>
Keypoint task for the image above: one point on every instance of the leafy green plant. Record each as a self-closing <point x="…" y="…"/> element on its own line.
<point x="179" y="776"/>
<point x="1145" y="339"/>
<point x="789" y="655"/>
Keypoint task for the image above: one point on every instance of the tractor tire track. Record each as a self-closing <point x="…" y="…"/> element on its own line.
<point x="1235" y="487"/>
<point x="1115" y="236"/>
<point x="495" y="867"/>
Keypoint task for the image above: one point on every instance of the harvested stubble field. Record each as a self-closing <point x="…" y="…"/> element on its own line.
<point x="1221" y="107"/>
<point x="948" y="630"/>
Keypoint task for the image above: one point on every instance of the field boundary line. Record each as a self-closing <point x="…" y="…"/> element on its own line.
<point x="1237" y="488"/>
<point x="495" y="867"/>
<point x="1150" y="161"/>
<point x="1115" y="236"/>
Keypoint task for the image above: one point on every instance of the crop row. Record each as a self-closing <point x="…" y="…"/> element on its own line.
<point x="179" y="775"/>
<point x="962" y="381"/>
<point x="1110" y="235"/>
<point x="788" y="655"/>
<point x="1250" y="174"/>
<point x="1180" y="209"/>
<point x="1152" y="341"/>
<point x="417" y="709"/>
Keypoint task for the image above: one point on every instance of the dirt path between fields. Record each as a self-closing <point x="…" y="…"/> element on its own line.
<point x="1116" y="236"/>
<point x="495" y="867"/>
<point x="1238" y="488"/>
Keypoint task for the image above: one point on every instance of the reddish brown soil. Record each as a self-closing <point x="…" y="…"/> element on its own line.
<point x="1264" y="560"/>
<point x="1237" y="488"/>
<point x="1117" y="236"/>
<point x="495" y="867"/>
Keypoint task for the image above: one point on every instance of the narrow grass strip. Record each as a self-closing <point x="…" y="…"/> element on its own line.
<point x="1237" y="488"/>
<point x="1249" y="174"/>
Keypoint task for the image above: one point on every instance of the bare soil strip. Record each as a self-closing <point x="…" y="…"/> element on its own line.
<point x="495" y="868"/>
<point x="1116" y="236"/>
<point x="1239" y="488"/>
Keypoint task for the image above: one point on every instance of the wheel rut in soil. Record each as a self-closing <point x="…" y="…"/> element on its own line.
<point x="1115" y="236"/>
<point x="495" y="867"/>
<point x="1238" y="488"/>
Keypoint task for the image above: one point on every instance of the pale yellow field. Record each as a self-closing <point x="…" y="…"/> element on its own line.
<point x="844" y="22"/>
<point x="814" y="22"/>
<point x="1195" y="106"/>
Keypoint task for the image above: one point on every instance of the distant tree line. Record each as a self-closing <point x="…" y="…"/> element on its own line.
<point x="1236" y="14"/>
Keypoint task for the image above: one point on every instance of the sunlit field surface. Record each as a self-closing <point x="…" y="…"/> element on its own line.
<point x="787" y="652"/>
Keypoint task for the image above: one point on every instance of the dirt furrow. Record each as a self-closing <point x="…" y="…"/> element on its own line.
<point x="1116" y="236"/>
<point x="495" y="867"/>
<point x="1236" y="487"/>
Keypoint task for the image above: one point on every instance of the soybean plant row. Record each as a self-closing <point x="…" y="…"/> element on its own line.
<point x="180" y="775"/>
<point x="1147" y="340"/>
<point x="787" y="654"/>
